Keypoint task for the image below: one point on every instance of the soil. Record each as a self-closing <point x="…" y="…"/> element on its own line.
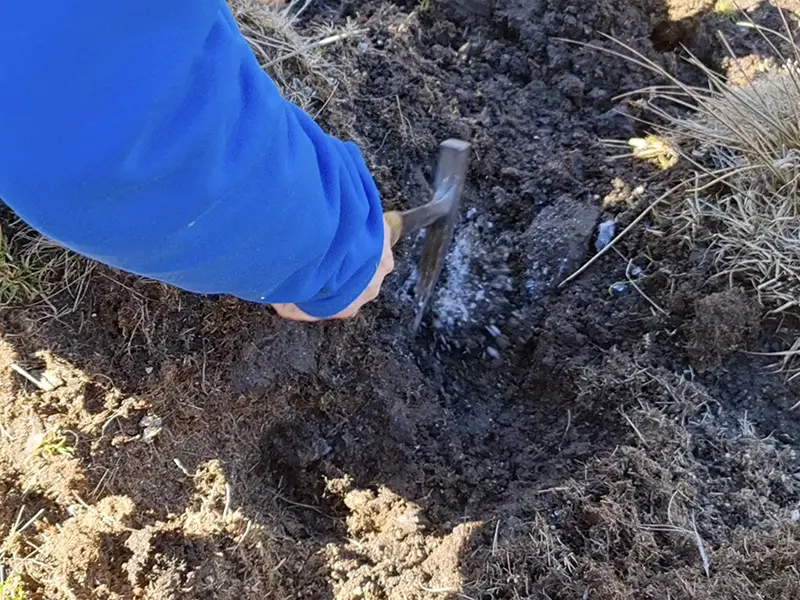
<point x="621" y="436"/>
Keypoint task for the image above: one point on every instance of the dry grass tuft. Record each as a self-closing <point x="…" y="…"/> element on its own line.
<point x="291" y="56"/>
<point x="743" y="148"/>
<point x="36" y="273"/>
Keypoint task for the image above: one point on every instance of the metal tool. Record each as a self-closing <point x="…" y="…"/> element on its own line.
<point x="438" y="217"/>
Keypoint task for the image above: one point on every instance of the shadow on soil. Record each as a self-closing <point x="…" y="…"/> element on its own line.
<point x="532" y="444"/>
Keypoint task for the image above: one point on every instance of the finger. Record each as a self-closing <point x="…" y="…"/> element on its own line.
<point x="372" y="293"/>
<point x="348" y="313"/>
<point x="293" y="313"/>
<point x="374" y="288"/>
<point x="387" y="261"/>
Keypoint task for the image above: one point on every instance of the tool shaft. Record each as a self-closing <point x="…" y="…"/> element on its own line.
<point x="438" y="217"/>
<point x="450" y="175"/>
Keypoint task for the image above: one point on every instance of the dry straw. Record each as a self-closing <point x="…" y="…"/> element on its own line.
<point x="291" y="55"/>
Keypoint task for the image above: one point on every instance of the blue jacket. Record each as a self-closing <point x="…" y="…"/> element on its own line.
<point x="143" y="134"/>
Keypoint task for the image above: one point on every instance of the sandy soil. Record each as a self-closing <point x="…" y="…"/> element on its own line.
<point x="606" y="440"/>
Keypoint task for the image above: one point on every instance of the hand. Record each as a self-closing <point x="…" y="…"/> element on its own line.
<point x="386" y="266"/>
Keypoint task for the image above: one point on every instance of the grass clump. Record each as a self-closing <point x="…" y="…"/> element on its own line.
<point x="35" y="272"/>
<point x="54" y="443"/>
<point x="11" y="588"/>
<point x="25" y="266"/>
<point x="742" y="145"/>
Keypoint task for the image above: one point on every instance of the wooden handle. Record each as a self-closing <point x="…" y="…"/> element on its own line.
<point x="395" y="221"/>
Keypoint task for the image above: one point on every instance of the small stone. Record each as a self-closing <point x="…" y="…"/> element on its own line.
<point x="53" y="380"/>
<point x="493" y="352"/>
<point x="148" y="370"/>
<point x="150" y="433"/>
<point x="619" y="288"/>
<point x="605" y="233"/>
<point x="598" y="94"/>
<point x="151" y="421"/>
<point x="151" y="426"/>
<point x="362" y="48"/>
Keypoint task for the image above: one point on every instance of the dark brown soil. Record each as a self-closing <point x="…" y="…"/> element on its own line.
<point x="603" y="440"/>
<point x="723" y="323"/>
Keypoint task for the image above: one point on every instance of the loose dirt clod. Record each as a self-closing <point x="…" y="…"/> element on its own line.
<point x="723" y="323"/>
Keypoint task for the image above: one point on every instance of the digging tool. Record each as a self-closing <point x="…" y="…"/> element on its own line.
<point x="438" y="217"/>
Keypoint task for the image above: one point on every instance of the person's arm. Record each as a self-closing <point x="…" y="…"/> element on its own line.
<point x="143" y="134"/>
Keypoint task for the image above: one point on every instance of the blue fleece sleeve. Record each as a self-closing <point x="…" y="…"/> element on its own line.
<point x="143" y="134"/>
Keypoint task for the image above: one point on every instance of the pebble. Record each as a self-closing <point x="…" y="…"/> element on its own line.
<point x="493" y="352"/>
<point x="619" y="288"/>
<point x="150" y="421"/>
<point x="605" y="233"/>
<point x="151" y="426"/>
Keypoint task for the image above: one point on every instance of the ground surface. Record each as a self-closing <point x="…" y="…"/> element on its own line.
<point x="596" y="442"/>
